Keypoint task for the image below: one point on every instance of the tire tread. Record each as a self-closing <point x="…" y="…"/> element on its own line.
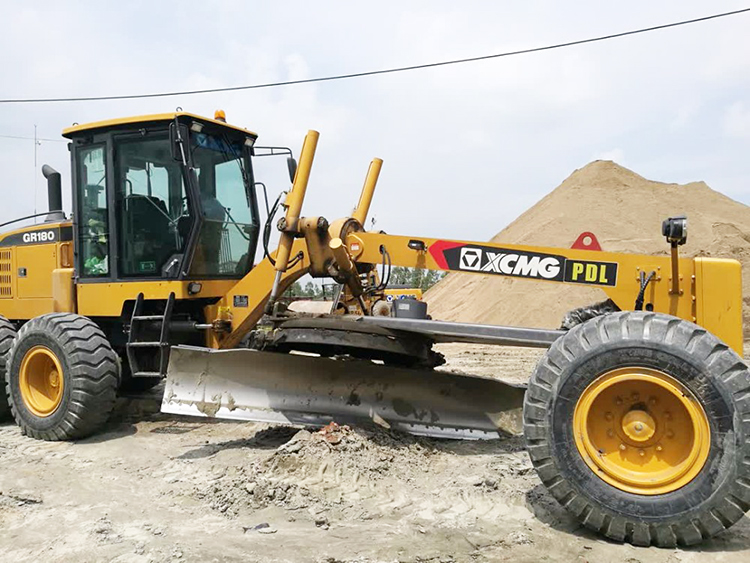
<point x="7" y="335"/>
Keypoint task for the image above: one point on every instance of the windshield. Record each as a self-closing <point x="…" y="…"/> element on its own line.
<point x="226" y="243"/>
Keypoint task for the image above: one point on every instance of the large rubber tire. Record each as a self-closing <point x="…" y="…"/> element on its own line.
<point x="7" y="334"/>
<point x="717" y="497"/>
<point x="90" y="376"/>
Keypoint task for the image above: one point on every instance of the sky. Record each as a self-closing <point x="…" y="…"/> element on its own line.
<point x="467" y="148"/>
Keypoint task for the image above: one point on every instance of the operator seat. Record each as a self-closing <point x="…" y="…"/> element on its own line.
<point x="147" y="224"/>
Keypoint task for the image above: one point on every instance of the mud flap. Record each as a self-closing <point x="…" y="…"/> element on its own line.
<point x="308" y="390"/>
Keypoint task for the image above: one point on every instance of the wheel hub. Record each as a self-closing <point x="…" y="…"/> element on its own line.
<point x="641" y="431"/>
<point x="638" y="425"/>
<point x="41" y="381"/>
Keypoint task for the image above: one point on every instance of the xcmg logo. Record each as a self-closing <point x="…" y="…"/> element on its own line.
<point x="38" y="236"/>
<point x="522" y="264"/>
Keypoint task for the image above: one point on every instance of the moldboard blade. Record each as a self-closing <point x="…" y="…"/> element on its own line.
<point x="279" y="388"/>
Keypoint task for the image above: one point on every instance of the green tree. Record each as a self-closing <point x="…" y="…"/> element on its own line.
<point x="308" y="291"/>
<point x="415" y="277"/>
<point x="295" y="290"/>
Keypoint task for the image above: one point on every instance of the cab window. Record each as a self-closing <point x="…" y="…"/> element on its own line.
<point x="152" y="208"/>
<point x="93" y="222"/>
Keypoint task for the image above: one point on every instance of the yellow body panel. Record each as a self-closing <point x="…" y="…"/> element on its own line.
<point x="106" y="299"/>
<point x="63" y="290"/>
<point x="107" y="123"/>
<point x="718" y="299"/>
<point x="25" y="309"/>
<point x="243" y="304"/>
<point x="38" y="261"/>
<point x="28" y="257"/>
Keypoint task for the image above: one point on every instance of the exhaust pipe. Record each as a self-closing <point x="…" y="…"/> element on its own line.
<point x="54" y="194"/>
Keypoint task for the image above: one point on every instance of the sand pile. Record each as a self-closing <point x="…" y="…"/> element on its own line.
<point x="625" y="211"/>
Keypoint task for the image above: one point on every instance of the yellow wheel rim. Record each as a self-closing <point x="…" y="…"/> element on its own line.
<point x="41" y="381"/>
<point x="642" y="431"/>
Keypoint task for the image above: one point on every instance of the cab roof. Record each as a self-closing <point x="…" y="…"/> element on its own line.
<point x="69" y="132"/>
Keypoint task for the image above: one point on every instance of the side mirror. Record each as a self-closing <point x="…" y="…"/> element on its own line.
<point x="178" y="135"/>
<point x="291" y="164"/>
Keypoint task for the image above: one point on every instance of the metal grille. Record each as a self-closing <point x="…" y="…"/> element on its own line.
<point x="6" y="277"/>
<point x="226" y="265"/>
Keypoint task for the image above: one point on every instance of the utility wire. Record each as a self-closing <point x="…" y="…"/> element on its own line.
<point x="376" y="72"/>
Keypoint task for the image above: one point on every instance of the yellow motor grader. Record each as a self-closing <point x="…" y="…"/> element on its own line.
<point x="637" y="418"/>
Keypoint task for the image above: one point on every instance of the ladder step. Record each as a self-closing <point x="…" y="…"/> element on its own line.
<point x="147" y="344"/>
<point x="147" y="374"/>
<point x="148" y="317"/>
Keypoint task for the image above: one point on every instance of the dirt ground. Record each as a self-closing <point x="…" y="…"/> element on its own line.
<point x="160" y="488"/>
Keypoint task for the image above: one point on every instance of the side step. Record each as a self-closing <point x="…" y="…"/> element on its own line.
<point x="136" y="347"/>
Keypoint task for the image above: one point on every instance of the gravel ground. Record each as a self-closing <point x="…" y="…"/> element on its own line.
<point x="158" y="488"/>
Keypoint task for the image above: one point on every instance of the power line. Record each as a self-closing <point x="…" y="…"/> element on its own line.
<point x="32" y="138"/>
<point x="376" y="72"/>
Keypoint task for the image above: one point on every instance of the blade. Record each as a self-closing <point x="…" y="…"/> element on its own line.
<point x="308" y="390"/>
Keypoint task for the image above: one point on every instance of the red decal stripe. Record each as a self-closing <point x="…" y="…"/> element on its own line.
<point x="438" y="247"/>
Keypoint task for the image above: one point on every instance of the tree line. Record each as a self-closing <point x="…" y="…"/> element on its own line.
<point x="413" y="278"/>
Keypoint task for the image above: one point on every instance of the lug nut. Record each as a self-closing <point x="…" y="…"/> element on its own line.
<point x="618" y="401"/>
<point x="641" y="453"/>
<point x="667" y="415"/>
<point x="636" y="396"/>
<point x="609" y="416"/>
<point x="670" y="434"/>
<point x="659" y="448"/>
<point x="653" y="400"/>
<point x="610" y="433"/>
<point x="622" y="447"/>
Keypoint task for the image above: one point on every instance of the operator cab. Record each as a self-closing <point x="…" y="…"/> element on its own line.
<point x="167" y="196"/>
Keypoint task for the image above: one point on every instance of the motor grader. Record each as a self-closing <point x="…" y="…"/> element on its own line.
<point x="637" y="417"/>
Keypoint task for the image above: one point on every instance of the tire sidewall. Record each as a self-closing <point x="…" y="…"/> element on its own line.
<point x="7" y="336"/>
<point x="718" y="472"/>
<point x="26" y="341"/>
<point x="5" y="412"/>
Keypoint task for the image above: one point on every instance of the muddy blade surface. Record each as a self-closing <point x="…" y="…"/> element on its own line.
<point x="294" y="389"/>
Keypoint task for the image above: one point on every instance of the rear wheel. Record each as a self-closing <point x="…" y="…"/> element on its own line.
<point x="62" y="377"/>
<point x="7" y="334"/>
<point x="638" y="424"/>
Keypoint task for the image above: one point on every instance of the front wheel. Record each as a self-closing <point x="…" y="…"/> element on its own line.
<point x="639" y="424"/>
<point x="62" y="377"/>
